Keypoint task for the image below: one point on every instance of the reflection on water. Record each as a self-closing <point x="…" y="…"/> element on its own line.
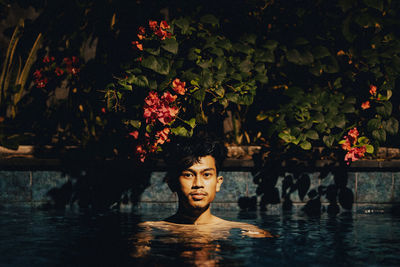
<point x="62" y="238"/>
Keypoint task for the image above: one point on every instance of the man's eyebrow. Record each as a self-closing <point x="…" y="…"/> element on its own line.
<point x="193" y="171"/>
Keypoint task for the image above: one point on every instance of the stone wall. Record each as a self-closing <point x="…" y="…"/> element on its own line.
<point x="371" y="190"/>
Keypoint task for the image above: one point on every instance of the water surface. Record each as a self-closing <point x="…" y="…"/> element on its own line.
<point x="32" y="237"/>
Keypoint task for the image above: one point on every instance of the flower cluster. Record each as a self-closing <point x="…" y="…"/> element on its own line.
<point x="159" y="30"/>
<point x="51" y="71"/>
<point x="372" y="91"/>
<point x="355" y="149"/>
<point x="159" y="112"/>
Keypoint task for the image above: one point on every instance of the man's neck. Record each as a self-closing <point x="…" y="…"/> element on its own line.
<point x="193" y="216"/>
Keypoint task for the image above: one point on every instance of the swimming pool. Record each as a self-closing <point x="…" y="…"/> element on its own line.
<point x="32" y="237"/>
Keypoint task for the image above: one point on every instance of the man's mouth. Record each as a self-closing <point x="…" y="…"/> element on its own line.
<point x="198" y="195"/>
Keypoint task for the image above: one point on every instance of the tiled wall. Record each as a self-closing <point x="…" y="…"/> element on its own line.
<point x="371" y="190"/>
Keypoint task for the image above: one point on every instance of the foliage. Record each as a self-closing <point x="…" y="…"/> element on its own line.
<point x="289" y="74"/>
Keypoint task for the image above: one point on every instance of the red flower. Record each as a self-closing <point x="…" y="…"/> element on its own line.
<point x="75" y="60"/>
<point x="164" y="25"/>
<point x="103" y="110"/>
<point x="162" y="34"/>
<point x="152" y="99"/>
<point x="142" y="30"/>
<point x="347" y="144"/>
<point x="355" y="154"/>
<point x="67" y="61"/>
<point x="41" y="83"/>
<point x="178" y="86"/>
<point x="167" y="96"/>
<point x="74" y="71"/>
<point x="153" y="25"/>
<point x="48" y="59"/>
<point x="372" y="89"/>
<point x="138" y="45"/>
<point x="141" y="153"/>
<point x="352" y="135"/>
<point x="37" y="74"/>
<point x="365" y="105"/>
<point x="134" y="134"/>
<point x="59" y="71"/>
<point x="162" y="136"/>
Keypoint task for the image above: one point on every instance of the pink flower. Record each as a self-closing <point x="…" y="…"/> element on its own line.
<point x="141" y="153"/>
<point x="48" y="59"/>
<point x="353" y="135"/>
<point x="167" y="114"/>
<point x="178" y="86"/>
<point x="153" y="25"/>
<point x="365" y="105"/>
<point x="41" y="83"/>
<point x="355" y="154"/>
<point x="347" y="144"/>
<point x="141" y="30"/>
<point x="152" y="99"/>
<point x="372" y="89"/>
<point x="103" y="110"/>
<point x="167" y="96"/>
<point x="59" y="71"/>
<point x="134" y="134"/>
<point x="162" y="136"/>
<point x="138" y="45"/>
<point x="37" y="74"/>
<point x="164" y="25"/>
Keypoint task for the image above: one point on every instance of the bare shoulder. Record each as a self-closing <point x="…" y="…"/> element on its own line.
<point x="250" y="229"/>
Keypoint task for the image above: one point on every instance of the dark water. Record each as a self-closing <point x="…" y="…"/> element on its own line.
<point x="64" y="238"/>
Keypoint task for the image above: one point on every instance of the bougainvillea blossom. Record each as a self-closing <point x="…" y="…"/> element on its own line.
<point x="354" y="154"/>
<point x="178" y="86"/>
<point x="372" y="89"/>
<point x="365" y="105"/>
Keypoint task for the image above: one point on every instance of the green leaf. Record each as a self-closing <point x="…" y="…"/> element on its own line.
<point x="373" y="124"/>
<point x="182" y="23"/>
<point x="170" y="45"/>
<point x="181" y="131"/>
<point x="348" y="108"/>
<point x="311" y="134"/>
<point x="135" y="123"/>
<point x="191" y="122"/>
<point x="391" y="126"/>
<point x="249" y="38"/>
<point x="245" y="66"/>
<point x="140" y="81"/>
<point x="261" y="78"/>
<point x="370" y="149"/>
<point x="377" y="4"/>
<point x="318" y="117"/>
<point x="328" y="140"/>
<point x="339" y="121"/>
<point x="379" y="135"/>
<point x="385" y="110"/>
<point x="363" y="140"/>
<point x="293" y="56"/>
<point x="305" y="145"/>
<point x="245" y="49"/>
<point x="270" y="44"/>
<point x="346" y="29"/>
<point x="338" y="83"/>
<point x="209" y="19"/>
<point x="206" y="80"/>
<point x="321" y="52"/>
<point x="301" y="41"/>
<point x="200" y="94"/>
<point x="153" y="51"/>
<point x="159" y="65"/>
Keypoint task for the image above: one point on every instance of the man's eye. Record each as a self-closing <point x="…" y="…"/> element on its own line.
<point x="187" y="175"/>
<point x="208" y="174"/>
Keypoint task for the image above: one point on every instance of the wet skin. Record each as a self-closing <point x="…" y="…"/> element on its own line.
<point x="196" y="188"/>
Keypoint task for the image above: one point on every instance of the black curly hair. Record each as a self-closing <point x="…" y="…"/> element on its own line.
<point x="183" y="152"/>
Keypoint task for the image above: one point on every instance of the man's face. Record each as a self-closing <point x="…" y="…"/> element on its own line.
<point x="198" y="184"/>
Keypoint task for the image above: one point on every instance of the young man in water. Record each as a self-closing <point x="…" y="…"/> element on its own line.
<point x="193" y="165"/>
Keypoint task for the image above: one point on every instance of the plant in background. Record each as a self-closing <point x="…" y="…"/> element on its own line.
<point x="207" y="72"/>
<point x="331" y="78"/>
<point x="13" y="78"/>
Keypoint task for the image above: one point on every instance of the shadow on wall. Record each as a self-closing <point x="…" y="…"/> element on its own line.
<point x="296" y="180"/>
<point x="101" y="185"/>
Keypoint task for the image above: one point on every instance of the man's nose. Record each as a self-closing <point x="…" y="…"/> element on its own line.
<point x="197" y="182"/>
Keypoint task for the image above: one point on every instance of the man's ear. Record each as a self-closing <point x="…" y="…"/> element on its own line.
<point x="220" y="179"/>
